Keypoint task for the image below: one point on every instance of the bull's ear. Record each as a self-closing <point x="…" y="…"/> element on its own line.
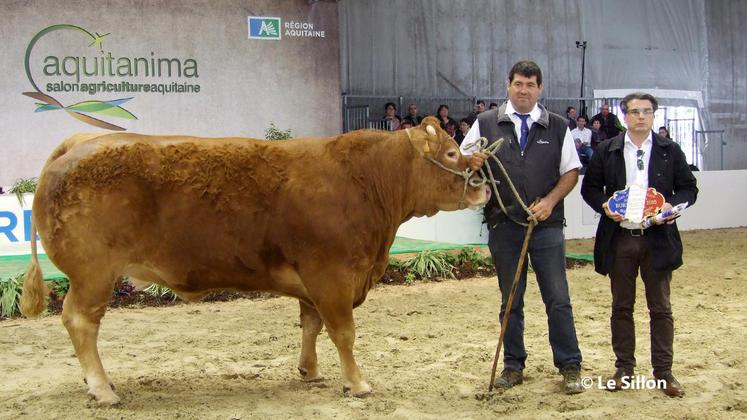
<point x="430" y="120"/>
<point x="419" y="139"/>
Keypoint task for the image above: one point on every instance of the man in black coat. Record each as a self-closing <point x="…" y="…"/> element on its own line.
<point x="639" y="157"/>
<point x="608" y="121"/>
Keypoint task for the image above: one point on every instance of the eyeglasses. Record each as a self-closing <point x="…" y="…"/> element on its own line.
<point x="639" y="155"/>
<point x="638" y="112"/>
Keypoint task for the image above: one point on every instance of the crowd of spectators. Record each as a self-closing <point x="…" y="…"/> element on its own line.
<point x="456" y="130"/>
<point x="587" y="132"/>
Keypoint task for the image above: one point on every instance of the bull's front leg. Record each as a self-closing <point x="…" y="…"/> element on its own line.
<point x="311" y="324"/>
<point x="338" y="318"/>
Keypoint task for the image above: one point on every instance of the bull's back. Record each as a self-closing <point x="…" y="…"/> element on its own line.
<point x="168" y="202"/>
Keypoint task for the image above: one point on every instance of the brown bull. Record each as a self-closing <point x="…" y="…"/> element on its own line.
<point x="310" y="218"/>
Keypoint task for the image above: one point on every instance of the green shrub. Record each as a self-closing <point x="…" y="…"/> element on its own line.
<point x="60" y="286"/>
<point x="429" y="264"/>
<point x="473" y="256"/>
<point x="10" y="294"/>
<point x="410" y="278"/>
<point x="274" y="133"/>
<point x="395" y="263"/>
<point x="22" y="186"/>
<point x="160" y="291"/>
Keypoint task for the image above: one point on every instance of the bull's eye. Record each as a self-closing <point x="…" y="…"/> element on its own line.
<point x="452" y="155"/>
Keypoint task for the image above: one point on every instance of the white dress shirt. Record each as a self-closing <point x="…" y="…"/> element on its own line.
<point x="569" y="159"/>
<point x="633" y="175"/>
<point x="583" y="135"/>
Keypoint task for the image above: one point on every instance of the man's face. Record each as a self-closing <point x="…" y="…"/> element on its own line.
<point x="463" y="127"/>
<point x="640" y="116"/>
<point x="572" y="113"/>
<point x="480" y="107"/>
<point x="412" y="110"/>
<point x="581" y="123"/>
<point x="523" y="93"/>
<point x="605" y="110"/>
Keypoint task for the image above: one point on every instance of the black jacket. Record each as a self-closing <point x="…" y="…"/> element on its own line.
<point x="668" y="173"/>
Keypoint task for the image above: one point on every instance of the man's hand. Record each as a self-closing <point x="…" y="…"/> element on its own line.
<point x="477" y="160"/>
<point x="611" y="214"/>
<point x="669" y="220"/>
<point x="541" y="209"/>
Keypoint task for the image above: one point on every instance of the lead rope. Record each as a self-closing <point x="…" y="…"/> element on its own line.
<point x="491" y="151"/>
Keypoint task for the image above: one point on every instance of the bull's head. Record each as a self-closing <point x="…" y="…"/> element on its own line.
<point x="444" y="181"/>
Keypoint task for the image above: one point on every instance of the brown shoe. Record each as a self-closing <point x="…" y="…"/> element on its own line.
<point x="617" y="379"/>
<point x="672" y="387"/>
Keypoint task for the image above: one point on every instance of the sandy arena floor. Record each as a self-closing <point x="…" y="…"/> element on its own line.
<point x="426" y="350"/>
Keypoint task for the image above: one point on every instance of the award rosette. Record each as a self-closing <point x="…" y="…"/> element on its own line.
<point x="636" y="203"/>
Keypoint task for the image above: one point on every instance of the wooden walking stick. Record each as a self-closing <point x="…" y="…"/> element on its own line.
<point x="510" y="302"/>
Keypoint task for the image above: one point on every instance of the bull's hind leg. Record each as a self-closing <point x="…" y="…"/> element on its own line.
<point x="312" y="325"/>
<point x="84" y="306"/>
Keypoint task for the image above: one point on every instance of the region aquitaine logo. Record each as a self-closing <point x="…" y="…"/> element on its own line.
<point x="86" y="69"/>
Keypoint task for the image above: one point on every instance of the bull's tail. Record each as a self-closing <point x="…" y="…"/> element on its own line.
<point x="34" y="294"/>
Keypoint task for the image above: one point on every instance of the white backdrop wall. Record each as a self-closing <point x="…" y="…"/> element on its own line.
<point x="245" y="84"/>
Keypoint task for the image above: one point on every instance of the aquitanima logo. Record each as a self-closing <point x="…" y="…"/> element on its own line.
<point x="79" y="110"/>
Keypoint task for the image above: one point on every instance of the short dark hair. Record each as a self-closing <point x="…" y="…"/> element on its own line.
<point x="581" y="117"/>
<point x="386" y="105"/>
<point x="525" y="68"/>
<point x="567" y="110"/>
<point x="641" y="96"/>
<point x="464" y="120"/>
<point x="442" y="106"/>
<point x="481" y="102"/>
<point x="493" y="104"/>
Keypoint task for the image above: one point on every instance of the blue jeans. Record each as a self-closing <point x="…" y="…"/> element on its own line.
<point x="547" y="254"/>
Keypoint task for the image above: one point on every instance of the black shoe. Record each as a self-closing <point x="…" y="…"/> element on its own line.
<point x="621" y="375"/>
<point x="572" y="380"/>
<point x="509" y="377"/>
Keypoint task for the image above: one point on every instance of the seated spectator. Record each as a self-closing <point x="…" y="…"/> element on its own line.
<point x="597" y="135"/>
<point x="464" y="127"/>
<point x="443" y="116"/>
<point x="582" y="137"/>
<point x="571" y="115"/>
<point x="405" y="124"/>
<point x="412" y="115"/>
<point x="390" y="116"/>
<point x="451" y="128"/>
<point x="609" y="122"/>
<point x="493" y="105"/>
<point x="664" y="132"/>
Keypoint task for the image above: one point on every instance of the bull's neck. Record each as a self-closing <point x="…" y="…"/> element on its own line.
<point x="389" y="176"/>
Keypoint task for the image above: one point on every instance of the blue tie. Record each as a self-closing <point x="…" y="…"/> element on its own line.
<point x="524" y="130"/>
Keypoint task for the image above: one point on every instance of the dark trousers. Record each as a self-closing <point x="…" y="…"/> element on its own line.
<point x="547" y="254"/>
<point x="632" y="253"/>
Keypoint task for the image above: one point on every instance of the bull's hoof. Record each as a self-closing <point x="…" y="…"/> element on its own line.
<point x="363" y="390"/>
<point x="310" y="376"/>
<point x="104" y="398"/>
